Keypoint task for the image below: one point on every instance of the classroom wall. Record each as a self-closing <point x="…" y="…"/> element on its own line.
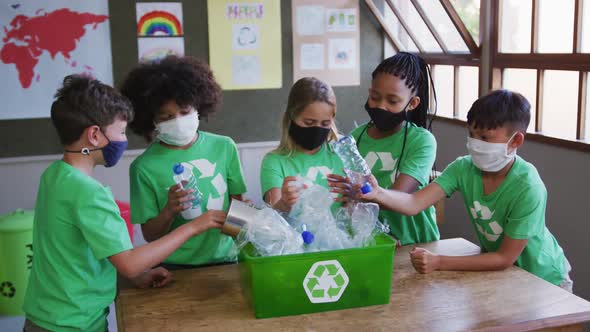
<point x="246" y="115"/>
<point x="564" y="172"/>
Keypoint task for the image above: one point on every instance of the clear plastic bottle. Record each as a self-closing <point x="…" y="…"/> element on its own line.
<point x="181" y="174"/>
<point x="355" y="166"/>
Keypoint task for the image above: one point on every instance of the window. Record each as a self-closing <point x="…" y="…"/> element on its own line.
<point x="468" y="90"/>
<point x="443" y="24"/>
<point x="393" y="23"/>
<point x="585" y="43"/>
<point x="525" y="82"/>
<point x="556" y="26"/>
<point x="540" y="48"/>
<point x="419" y="28"/>
<point x="468" y="10"/>
<point x="443" y="77"/>
<point x="515" y="26"/>
<point x="541" y="55"/>
<point x="560" y="104"/>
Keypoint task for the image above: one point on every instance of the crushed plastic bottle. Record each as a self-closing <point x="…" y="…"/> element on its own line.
<point x="271" y="235"/>
<point x="181" y="174"/>
<point x="313" y="209"/>
<point x="355" y="167"/>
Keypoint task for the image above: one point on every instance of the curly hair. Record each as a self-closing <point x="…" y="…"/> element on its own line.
<point x="185" y="80"/>
<point x="82" y="102"/>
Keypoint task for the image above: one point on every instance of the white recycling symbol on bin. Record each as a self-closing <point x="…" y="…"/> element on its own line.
<point x="325" y="282"/>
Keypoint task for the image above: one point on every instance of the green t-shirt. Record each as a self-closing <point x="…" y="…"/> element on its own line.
<point x="216" y="165"/>
<point x="77" y="226"/>
<point x="313" y="168"/>
<point x="382" y="155"/>
<point x="516" y="208"/>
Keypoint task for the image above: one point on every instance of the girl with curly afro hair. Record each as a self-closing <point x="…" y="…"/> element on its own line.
<point x="169" y="97"/>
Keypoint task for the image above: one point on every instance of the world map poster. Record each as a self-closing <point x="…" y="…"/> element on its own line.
<point x="43" y="41"/>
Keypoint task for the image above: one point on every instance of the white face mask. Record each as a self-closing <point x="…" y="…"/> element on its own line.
<point x="178" y="131"/>
<point x="489" y="157"/>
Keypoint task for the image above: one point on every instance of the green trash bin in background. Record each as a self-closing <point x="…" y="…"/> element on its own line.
<point x="16" y="259"/>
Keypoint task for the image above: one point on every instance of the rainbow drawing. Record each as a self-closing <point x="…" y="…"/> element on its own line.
<point x="159" y="23"/>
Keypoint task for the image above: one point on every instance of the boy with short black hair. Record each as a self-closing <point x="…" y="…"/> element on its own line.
<point x="80" y="239"/>
<point x="504" y="196"/>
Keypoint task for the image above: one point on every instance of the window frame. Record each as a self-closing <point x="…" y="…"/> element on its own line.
<point x="492" y="63"/>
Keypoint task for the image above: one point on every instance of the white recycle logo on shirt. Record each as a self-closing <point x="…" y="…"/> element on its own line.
<point x="314" y="171"/>
<point x="325" y="282"/>
<point x="208" y="170"/>
<point x="387" y="162"/>
<point x="482" y="212"/>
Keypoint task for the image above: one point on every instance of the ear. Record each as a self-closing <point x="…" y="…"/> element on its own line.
<point x="414" y="102"/>
<point x="517" y="140"/>
<point x="93" y="135"/>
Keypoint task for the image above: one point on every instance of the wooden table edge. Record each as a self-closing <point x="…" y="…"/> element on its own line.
<point x="544" y="323"/>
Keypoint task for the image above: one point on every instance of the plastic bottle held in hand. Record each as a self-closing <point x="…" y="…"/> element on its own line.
<point x="355" y="166"/>
<point x="181" y="174"/>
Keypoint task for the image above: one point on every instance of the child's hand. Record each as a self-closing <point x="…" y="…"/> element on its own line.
<point x="424" y="261"/>
<point x="208" y="220"/>
<point x="157" y="277"/>
<point x="177" y="200"/>
<point x="290" y="192"/>
<point x="341" y="185"/>
<point x="371" y="196"/>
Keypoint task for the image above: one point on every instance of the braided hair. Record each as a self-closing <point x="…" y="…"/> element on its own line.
<point x="416" y="73"/>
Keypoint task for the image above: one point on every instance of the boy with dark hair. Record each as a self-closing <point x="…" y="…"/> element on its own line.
<point x="504" y="196"/>
<point x="80" y="239"/>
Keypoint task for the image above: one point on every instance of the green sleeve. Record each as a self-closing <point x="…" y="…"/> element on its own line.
<point x="235" y="176"/>
<point x="449" y="179"/>
<point x="102" y="226"/>
<point x="144" y="200"/>
<point x="419" y="157"/>
<point x="271" y="175"/>
<point x="527" y="215"/>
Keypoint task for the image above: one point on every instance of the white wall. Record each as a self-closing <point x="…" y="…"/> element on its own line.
<point x="19" y="177"/>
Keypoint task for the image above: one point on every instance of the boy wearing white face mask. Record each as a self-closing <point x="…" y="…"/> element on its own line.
<point x="504" y="196"/>
<point x="169" y="96"/>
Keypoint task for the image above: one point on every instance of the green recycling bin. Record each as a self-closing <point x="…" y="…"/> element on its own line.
<point x="16" y="259"/>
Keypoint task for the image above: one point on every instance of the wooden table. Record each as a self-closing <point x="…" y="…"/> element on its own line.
<point x="510" y="300"/>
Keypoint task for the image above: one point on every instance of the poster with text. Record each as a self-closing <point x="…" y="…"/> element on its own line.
<point x="326" y="41"/>
<point x="245" y="43"/>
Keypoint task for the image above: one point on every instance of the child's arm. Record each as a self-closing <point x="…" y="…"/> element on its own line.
<point x="159" y="226"/>
<point x="408" y="204"/>
<point x="425" y="262"/>
<point x="283" y="198"/>
<point x="132" y="263"/>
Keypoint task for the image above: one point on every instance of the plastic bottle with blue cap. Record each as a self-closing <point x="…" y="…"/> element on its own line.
<point x="185" y="174"/>
<point x="306" y="235"/>
<point x="355" y="167"/>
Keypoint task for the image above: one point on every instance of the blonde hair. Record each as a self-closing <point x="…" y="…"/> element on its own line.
<point x="304" y="92"/>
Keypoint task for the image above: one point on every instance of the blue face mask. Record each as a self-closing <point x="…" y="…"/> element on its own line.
<point x="111" y="153"/>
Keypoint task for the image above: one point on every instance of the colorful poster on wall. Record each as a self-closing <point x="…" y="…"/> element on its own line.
<point x="151" y="49"/>
<point x="159" y="19"/>
<point x="245" y="43"/>
<point x="159" y="30"/>
<point x="41" y="42"/>
<point x="326" y="41"/>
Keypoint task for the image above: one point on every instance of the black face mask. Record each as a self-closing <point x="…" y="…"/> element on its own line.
<point x="308" y="138"/>
<point x="384" y="120"/>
